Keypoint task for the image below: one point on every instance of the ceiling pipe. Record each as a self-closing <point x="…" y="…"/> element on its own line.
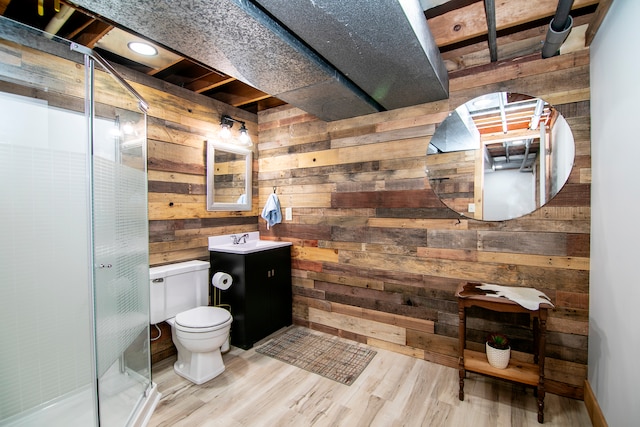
<point x="58" y="20"/>
<point x="490" y="12"/>
<point x="523" y="166"/>
<point x="535" y="119"/>
<point x="559" y="29"/>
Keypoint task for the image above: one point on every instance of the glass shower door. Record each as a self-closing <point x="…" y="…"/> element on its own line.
<point x="121" y="261"/>
<point x="47" y="369"/>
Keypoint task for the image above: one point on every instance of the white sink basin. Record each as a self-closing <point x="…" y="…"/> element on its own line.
<point x="249" y="244"/>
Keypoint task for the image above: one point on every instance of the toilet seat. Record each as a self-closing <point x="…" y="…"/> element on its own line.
<point x="202" y="319"/>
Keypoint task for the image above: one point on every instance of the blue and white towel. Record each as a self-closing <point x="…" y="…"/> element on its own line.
<point x="271" y="212"/>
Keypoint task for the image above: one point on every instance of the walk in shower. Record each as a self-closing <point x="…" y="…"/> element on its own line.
<point x="74" y="262"/>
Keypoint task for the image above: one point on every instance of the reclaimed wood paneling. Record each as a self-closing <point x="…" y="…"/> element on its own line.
<point x="180" y="122"/>
<point x="376" y="256"/>
<point x="397" y="253"/>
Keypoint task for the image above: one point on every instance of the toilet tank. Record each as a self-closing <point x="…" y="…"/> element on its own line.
<point x="177" y="287"/>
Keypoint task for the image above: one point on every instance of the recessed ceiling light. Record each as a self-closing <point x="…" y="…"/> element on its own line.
<point x="142" y="48"/>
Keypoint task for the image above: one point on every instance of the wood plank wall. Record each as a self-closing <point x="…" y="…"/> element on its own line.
<point x="180" y="122"/>
<point x="377" y="256"/>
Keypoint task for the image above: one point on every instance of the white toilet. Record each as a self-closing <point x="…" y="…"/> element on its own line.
<point x="179" y="295"/>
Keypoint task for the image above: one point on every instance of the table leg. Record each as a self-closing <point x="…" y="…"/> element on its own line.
<point x="541" y="351"/>
<point x="461" y="344"/>
<point x="536" y="339"/>
<point x="541" y="408"/>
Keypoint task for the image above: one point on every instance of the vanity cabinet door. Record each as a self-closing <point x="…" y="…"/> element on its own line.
<point x="260" y="296"/>
<point x="277" y="292"/>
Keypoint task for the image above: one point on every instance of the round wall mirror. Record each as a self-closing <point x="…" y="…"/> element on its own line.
<point x="500" y="156"/>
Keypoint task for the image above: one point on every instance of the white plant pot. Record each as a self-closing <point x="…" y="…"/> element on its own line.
<point x="498" y="358"/>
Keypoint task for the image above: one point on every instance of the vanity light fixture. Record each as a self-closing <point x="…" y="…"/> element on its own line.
<point x="226" y="123"/>
<point x="225" y="127"/>
<point x="142" y="48"/>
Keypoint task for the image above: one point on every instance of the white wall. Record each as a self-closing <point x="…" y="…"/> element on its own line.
<point x="614" y="338"/>
<point x="508" y="193"/>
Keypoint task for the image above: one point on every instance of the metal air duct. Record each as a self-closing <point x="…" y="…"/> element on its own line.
<point x="243" y="40"/>
<point x="383" y="46"/>
<point x="237" y="38"/>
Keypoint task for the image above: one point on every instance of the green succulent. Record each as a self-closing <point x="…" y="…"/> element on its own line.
<point x="498" y="341"/>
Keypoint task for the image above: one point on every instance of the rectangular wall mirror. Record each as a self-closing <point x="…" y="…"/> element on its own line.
<point x="229" y="170"/>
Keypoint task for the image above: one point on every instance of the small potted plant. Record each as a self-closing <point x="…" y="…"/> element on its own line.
<point x="498" y="350"/>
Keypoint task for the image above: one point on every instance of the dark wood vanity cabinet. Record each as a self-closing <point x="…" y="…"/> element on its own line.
<point x="260" y="296"/>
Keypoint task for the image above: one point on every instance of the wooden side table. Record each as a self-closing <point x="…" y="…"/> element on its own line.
<point x="520" y="372"/>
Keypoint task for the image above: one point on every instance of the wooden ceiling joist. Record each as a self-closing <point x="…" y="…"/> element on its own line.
<point x="601" y="12"/>
<point x="208" y="82"/>
<point x="3" y="6"/>
<point x="469" y="22"/>
<point x="92" y="33"/>
<point x="156" y="71"/>
<point x="252" y="100"/>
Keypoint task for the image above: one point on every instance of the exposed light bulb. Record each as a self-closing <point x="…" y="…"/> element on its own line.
<point x="245" y="139"/>
<point x="128" y="129"/>
<point x="225" y="132"/>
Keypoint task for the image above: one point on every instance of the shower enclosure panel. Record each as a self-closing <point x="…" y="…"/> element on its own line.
<point x="120" y="247"/>
<point x="74" y="260"/>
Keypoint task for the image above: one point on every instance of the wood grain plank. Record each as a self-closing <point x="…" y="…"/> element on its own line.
<point x="594" y="25"/>
<point x="360" y="326"/>
<point x="426" y="326"/>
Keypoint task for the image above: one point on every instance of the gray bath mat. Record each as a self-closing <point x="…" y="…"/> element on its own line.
<point x="328" y="357"/>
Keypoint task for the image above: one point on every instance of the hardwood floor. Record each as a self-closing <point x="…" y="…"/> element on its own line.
<point x="394" y="390"/>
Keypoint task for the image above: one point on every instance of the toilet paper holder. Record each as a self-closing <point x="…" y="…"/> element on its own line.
<point x="222" y="280"/>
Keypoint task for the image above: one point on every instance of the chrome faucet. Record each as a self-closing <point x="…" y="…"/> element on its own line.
<point x="242" y="239"/>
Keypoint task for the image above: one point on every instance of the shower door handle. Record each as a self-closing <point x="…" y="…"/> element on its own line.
<point x="105" y="266"/>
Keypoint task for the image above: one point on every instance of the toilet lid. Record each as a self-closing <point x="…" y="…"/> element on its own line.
<point x="202" y="317"/>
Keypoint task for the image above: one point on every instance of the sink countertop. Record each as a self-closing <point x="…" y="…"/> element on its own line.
<point x="253" y="244"/>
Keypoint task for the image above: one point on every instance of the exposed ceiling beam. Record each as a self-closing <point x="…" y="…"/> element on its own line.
<point x="447" y="6"/>
<point x="3" y="6"/>
<point x="208" y="82"/>
<point x="72" y="34"/>
<point x="156" y="71"/>
<point x="468" y="22"/>
<point x="93" y="33"/>
<point x="601" y="12"/>
<point x="492" y="138"/>
<point x="237" y="94"/>
<point x="252" y="100"/>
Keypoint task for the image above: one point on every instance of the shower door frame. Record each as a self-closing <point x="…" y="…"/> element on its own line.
<point x="148" y="399"/>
